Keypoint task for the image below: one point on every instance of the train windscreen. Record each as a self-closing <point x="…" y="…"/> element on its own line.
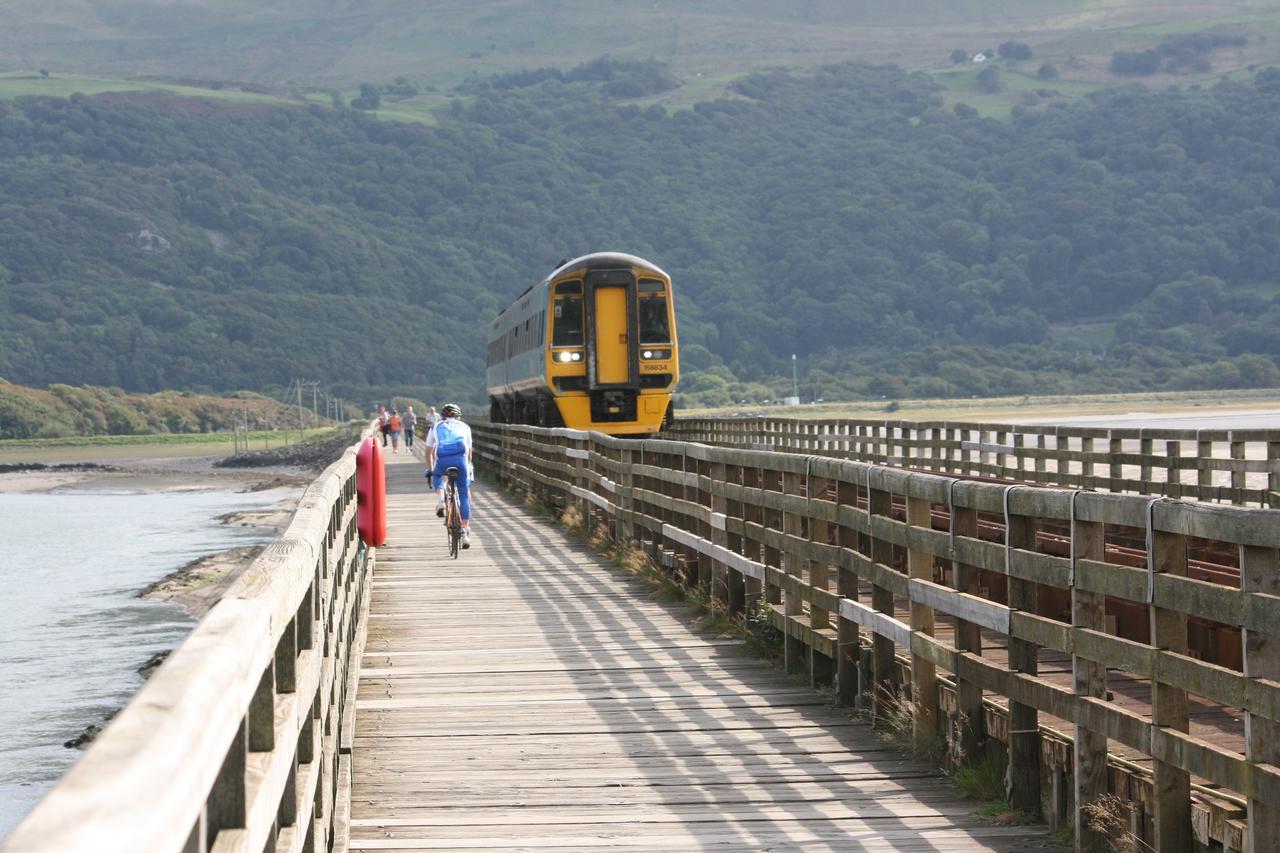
<point x="566" y="331"/>
<point x="655" y="327"/>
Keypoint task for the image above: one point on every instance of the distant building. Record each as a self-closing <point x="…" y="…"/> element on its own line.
<point x="979" y="57"/>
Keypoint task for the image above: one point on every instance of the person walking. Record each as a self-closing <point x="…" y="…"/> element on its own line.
<point x="384" y="423"/>
<point x="396" y="425"/>
<point x="410" y="420"/>
<point x="448" y="446"/>
<point x="432" y="417"/>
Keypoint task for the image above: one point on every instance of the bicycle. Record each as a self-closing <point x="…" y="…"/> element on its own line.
<point x="452" y="512"/>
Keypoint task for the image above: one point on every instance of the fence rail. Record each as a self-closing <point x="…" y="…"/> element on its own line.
<point x="954" y="591"/>
<point x="1240" y="467"/>
<point x="241" y="740"/>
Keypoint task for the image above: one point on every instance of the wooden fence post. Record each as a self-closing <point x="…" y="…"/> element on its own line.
<point x="848" y="643"/>
<point x="701" y="495"/>
<point x="793" y="606"/>
<point x="622" y="497"/>
<point x="971" y="722"/>
<point x="1115" y="447"/>
<point x="227" y="806"/>
<point x="819" y="578"/>
<point x="1260" y="572"/>
<point x="751" y="548"/>
<point x="1238" y="476"/>
<point x="771" y="519"/>
<point x="1088" y="610"/>
<point x="1171" y="786"/>
<point x="1173" y="474"/>
<point x="1273" y="475"/>
<point x="1146" y="449"/>
<point x="1023" y="779"/>
<point x="1204" y="473"/>
<point x="735" y="587"/>
<point x="715" y="534"/>
<point x="924" y="674"/>
<point x="883" y="664"/>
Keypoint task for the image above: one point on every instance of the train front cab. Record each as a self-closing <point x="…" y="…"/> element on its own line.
<point x="613" y="361"/>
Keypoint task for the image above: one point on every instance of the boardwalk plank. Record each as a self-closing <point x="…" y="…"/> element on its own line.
<point x="529" y="696"/>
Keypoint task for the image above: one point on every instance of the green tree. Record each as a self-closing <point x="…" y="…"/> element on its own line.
<point x="1014" y="51"/>
<point x="369" y="99"/>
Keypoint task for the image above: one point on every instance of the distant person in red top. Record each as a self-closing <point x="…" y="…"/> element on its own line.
<point x="397" y="426"/>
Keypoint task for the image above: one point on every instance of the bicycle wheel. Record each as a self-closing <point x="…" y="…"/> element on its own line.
<point x="453" y="521"/>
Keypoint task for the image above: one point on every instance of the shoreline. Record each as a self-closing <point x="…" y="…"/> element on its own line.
<point x="199" y="584"/>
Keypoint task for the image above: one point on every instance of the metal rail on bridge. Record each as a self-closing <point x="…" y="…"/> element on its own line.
<point x="899" y="581"/>
<point x="241" y="740"/>
<point x="1227" y="466"/>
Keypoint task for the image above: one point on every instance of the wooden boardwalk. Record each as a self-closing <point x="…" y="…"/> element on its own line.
<point x="530" y="696"/>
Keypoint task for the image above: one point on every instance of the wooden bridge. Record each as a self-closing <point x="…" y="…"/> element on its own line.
<point x="531" y="695"/>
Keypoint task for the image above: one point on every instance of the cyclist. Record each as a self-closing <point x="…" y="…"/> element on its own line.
<point x="448" y="445"/>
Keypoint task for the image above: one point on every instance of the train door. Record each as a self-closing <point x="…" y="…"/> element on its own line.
<point x="612" y="368"/>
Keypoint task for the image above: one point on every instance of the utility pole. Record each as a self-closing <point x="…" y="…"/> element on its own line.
<point x="795" y="378"/>
<point x="301" y="420"/>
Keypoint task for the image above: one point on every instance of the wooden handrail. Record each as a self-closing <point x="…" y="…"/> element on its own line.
<point x="1241" y="467"/>
<point x="857" y="565"/>
<point x="233" y="744"/>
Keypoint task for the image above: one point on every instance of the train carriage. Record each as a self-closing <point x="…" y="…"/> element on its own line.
<point x="592" y="346"/>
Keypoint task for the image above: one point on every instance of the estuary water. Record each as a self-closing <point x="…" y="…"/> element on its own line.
<point x="72" y="630"/>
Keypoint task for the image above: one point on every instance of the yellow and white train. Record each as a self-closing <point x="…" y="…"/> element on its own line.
<point x="593" y="346"/>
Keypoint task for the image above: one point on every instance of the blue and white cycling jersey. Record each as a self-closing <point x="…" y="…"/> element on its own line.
<point x="450" y="437"/>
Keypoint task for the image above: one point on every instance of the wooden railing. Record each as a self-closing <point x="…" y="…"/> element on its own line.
<point x="241" y="741"/>
<point x="1241" y="467"/>
<point x="952" y="592"/>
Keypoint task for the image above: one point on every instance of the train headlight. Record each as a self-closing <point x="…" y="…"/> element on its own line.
<point x="564" y="357"/>
<point x="650" y="354"/>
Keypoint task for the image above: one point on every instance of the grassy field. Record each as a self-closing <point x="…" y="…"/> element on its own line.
<point x="16" y="83"/>
<point x="1002" y="409"/>
<point x="107" y="46"/>
<point x="1019" y="86"/>
<point x="119" y="448"/>
<point x="315" y="44"/>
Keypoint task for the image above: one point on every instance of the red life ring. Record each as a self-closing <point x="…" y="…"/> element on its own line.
<point x="371" y="494"/>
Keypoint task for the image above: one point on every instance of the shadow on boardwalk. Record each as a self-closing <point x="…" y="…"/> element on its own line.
<point x="530" y="696"/>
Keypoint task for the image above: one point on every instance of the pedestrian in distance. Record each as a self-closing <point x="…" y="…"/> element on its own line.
<point x="432" y="417"/>
<point x="384" y="423"/>
<point x="410" y="420"/>
<point x="396" y="425"/>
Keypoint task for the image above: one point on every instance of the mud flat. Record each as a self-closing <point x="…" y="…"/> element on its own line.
<point x="200" y="584"/>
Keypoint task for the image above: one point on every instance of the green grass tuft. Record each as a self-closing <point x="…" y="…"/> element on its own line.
<point x="982" y="779"/>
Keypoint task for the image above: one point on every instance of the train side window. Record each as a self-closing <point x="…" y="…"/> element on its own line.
<point x="567" y="328"/>
<point x="654" y="325"/>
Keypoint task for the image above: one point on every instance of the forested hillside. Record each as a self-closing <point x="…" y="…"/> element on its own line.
<point x="1126" y="241"/>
